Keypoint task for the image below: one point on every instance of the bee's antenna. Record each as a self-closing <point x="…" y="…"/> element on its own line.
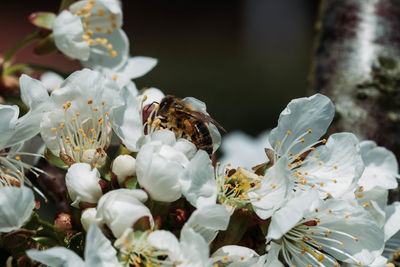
<point x="154" y="102"/>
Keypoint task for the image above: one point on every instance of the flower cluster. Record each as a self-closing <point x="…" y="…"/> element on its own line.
<point x="143" y="183"/>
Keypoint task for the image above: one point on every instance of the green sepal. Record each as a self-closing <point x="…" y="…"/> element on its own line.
<point x="131" y="183"/>
<point x="45" y="241"/>
<point x="43" y="19"/>
<point x="46" y="46"/>
<point x="54" y="160"/>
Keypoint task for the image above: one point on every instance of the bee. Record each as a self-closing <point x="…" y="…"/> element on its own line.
<point x="180" y="117"/>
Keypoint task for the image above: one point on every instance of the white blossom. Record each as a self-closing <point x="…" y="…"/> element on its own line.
<point x="90" y="30"/>
<point x="120" y="209"/>
<point x="311" y="231"/>
<point x="77" y="127"/>
<point x="160" y="162"/>
<point x="124" y="166"/>
<point x="88" y="217"/>
<point x="83" y="184"/>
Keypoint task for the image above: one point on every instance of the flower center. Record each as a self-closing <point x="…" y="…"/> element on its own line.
<point x="98" y="21"/>
<point x="84" y="139"/>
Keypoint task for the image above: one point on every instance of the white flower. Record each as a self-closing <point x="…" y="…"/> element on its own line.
<point x="78" y="126"/>
<point x="124" y="166"/>
<point x="160" y="162"/>
<point x="88" y="217"/>
<point x="14" y="131"/>
<point x="16" y="205"/>
<point x="83" y="184"/>
<point x="98" y="252"/>
<point x="128" y="121"/>
<point x="332" y="168"/>
<point x="120" y="209"/>
<point x="192" y="248"/>
<point x="91" y="32"/>
<point x="240" y="149"/>
<point x="311" y="231"/>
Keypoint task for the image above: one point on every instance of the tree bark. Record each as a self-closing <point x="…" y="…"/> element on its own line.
<point x="356" y="62"/>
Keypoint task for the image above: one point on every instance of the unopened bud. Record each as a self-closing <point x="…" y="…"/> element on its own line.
<point x="88" y="217"/>
<point x="123" y="167"/>
<point x="94" y="157"/>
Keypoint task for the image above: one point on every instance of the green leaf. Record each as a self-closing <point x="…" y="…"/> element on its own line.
<point x="131" y="183"/>
<point x="54" y="160"/>
<point x="45" y="46"/>
<point x="43" y="19"/>
<point x="75" y="243"/>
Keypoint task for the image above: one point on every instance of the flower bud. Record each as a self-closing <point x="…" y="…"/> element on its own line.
<point x="94" y="157"/>
<point x="123" y="167"/>
<point x="83" y="184"/>
<point x="120" y="209"/>
<point x="88" y="217"/>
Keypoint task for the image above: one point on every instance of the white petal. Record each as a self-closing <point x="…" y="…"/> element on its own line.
<point x="165" y="240"/>
<point x="51" y="80"/>
<point x="159" y="176"/>
<point x="98" y="250"/>
<point x="197" y="181"/>
<point x="349" y="218"/>
<point x="56" y="257"/>
<point x="16" y="205"/>
<point x="276" y="187"/>
<point x="138" y="66"/>
<point x="99" y="55"/>
<point x="300" y="115"/>
<point x="272" y="255"/>
<point x="235" y="253"/>
<point x="68" y="31"/>
<point x="374" y="201"/>
<point x="392" y="224"/>
<point x="194" y="248"/>
<point x="381" y="168"/>
<point x="33" y="93"/>
<point x="200" y="221"/>
<point x="153" y="95"/>
<point x="290" y="214"/>
<point x="8" y="120"/>
<point x="334" y="167"/>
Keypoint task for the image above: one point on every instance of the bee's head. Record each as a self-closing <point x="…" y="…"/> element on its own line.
<point x="166" y="103"/>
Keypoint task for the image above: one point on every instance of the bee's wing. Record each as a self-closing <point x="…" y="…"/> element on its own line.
<point x="204" y="117"/>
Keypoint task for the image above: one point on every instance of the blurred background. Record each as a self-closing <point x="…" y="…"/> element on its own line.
<point x="246" y="59"/>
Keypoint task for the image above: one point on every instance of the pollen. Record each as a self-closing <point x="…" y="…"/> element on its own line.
<point x="54" y="129"/>
<point x="309" y="131"/>
<point x="302" y="140"/>
<point x="330" y="211"/>
<point x="356" y="239"/>
<point x="115" y="77"/>
<point x="278" y="143"/>
<point x="317" y="156"/>
<point x="18" y="158"/>
<point x="320" y="163"/>
<point x="289" y="132"/>
<point x="109" y="47"/>
<point x="273" y="186"/>
<point x="323" y="141"/>
<point x="335" y="167"/>
<point x="321" y="257"/>
<point x="225" y="259"/>
<point x="90" y="101"/>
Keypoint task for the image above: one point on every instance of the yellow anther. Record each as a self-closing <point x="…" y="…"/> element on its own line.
<point x="289" y="132"/>
<point x="321" y="257"/>
<point x="302" y="140"/>
<point x="115" y="77"/>
<point x="366" y="204"/>
<point x="89" y="42"/>
<point x="85" y="24"/>
<point x="61" y="125"/>
<point x="336" y="264"/>
<point x="323" y="141"/>
<point x="359" y="263"/>
<point x="18" y="158"/>
<point x="89" y="32"/>
<point x="313" y="148"/>
<point x="100" y="11"/>
<point x="225" y="259"/>
<point x="95" y="108"/>
<point x="321" y="184"/>
<point x="113" y="25"/>
<point x="77" y="149"/>
<point x="113" y="53"/>
<point x="90" y="101"/>
<point x="335" y="181"/>
<point x="290" y="165"/>
<point x="278" y="143"/>
<point x="335" y="167"/>
<point x="87" y="15"/>
<point x="64" y="106"/>
<point x="80" y="130"/>
<point x="54" y="129"/>
<point x="330" y="211"/>
<point x="360" y="189"/>
<point x="309" y="131"/>
<point x="108" y="31"/>
<point x="316" y="210"/>
<point x="102" y="102"/>
<point x="98" y="40"/>
<point x="328" y="194"/>
<point x="73" y="119"/>
<point x="360" y="195"/>
<point x="92" y="130"/>
<point x="273" y="186"/>
<point x="8" y="171"/>
<point x="85" y="37"/>
<point x="356" y="239"/>
<point x="104" y="41"/>
<point x="112" y="16"/>
<point x="99" y="29"/>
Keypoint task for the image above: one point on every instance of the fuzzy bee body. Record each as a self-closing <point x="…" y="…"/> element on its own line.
<point x="180" y="117"/>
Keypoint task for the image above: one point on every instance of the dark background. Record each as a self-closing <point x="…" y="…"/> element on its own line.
<point x="246" y="59"/>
